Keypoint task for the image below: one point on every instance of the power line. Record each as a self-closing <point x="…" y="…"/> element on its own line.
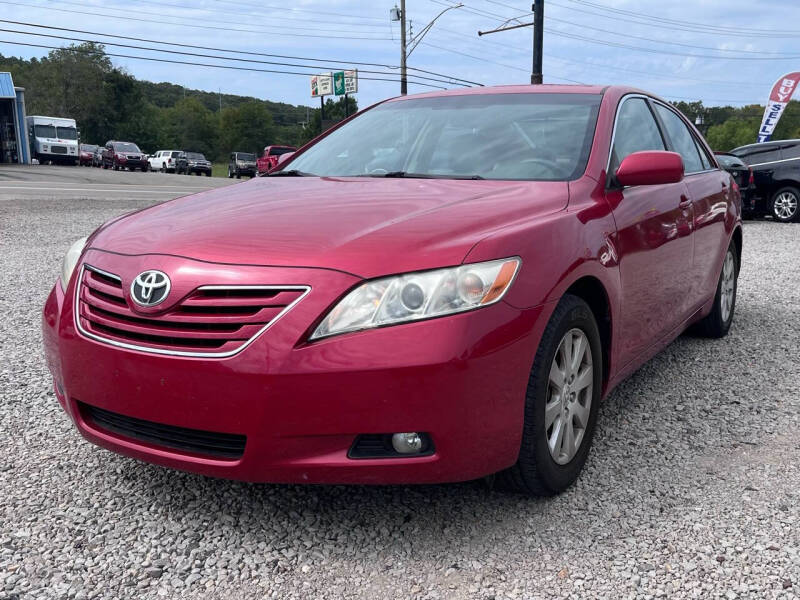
<point x="731" y="30"/>
<point x="195" y="26"/>
<point x="295" y="9"/>
<point x="584" y="63"/>
<point x="669" y="52"/>
<point x="486" y="60"/>
<point x="198" y="55"/>
<point x="197" y="64"/>
<point x="637" y="37"/>
<point x="242" y="52"/>
<point x="184" y="8"/>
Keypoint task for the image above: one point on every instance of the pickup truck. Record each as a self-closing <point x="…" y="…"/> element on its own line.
<point x="269" y="159"/>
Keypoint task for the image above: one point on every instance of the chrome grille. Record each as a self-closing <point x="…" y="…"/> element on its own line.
<point x="211" y="321"/>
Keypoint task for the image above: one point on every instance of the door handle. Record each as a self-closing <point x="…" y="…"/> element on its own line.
<point x="685" y="202"/>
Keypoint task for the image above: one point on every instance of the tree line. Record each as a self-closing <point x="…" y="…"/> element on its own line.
<point x="728" y="127"/>
<point x="80" y="82"/>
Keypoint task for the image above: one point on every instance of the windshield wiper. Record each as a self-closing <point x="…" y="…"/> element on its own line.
<point x="406" y="175"/>
<point x="290" y="173"/>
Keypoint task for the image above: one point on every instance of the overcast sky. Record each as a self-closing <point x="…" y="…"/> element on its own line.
<point x="657" y="58"/>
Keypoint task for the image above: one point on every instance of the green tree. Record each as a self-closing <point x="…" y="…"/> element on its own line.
<point x="245" y="128"/>
<point x="189" y="126"/>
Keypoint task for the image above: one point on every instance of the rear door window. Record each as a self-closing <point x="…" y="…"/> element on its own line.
<point x="757" y="155"/>
<point x="681" y="139"/>
<point x="636" y="131"/>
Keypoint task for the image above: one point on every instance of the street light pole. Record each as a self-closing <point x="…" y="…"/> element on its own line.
<point x="399" y="14"/>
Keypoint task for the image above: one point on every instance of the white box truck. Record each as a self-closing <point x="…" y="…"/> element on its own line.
<point x="53" y="139"/>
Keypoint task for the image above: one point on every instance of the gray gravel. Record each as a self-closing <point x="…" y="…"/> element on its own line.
<point x="691" y="490"/>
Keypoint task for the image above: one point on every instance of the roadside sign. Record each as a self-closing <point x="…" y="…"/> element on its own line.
<point x="321" y="85"/>
<point x="350" y="82"/>
<point x="338" y="83"/>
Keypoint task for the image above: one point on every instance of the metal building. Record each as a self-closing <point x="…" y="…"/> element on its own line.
<point x="13" y="135"/>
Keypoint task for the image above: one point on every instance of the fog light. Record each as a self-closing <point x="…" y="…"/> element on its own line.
<point x="407" y="443"/>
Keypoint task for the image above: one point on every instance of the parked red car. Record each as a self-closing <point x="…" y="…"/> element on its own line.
<point x="269" y="160"/>
<point x="86" y="154"/>
<point x="442" y="288"/>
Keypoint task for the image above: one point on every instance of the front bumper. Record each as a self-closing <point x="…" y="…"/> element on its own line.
<point x="461" y="379"/>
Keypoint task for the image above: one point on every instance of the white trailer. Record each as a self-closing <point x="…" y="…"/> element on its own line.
<point x="53" y="139"/>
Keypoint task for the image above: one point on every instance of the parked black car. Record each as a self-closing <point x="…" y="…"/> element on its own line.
<point x="743" y="176"/>
<point x="192" y="162"/>
<point x="776" y="171"/>
<point x="242" y="163"/>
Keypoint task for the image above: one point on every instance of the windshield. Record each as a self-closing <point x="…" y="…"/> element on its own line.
<point x="195" y="156"/>
<point x="244" y="156"/>
<point x="44" y="131"/>
<point x="67" y="133"/>
<point x="88" y="147"/>
<point x="175" y="154"/>
<point x="492" y="136"/>
<point x="126" y="147"/>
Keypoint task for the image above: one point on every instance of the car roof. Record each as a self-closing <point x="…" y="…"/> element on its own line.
<point x="769" y="143"/>
<point x="510" y="89"/>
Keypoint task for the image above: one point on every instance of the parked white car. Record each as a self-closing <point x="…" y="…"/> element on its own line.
<point x="164" y="161"/>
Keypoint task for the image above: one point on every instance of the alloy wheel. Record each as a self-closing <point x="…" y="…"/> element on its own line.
<point x="727" y="287"/>
<point x="785" y="206"/>
<point x="569" y="396"/>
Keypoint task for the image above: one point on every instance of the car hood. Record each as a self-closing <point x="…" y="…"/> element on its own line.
<point x="364" y="226"/>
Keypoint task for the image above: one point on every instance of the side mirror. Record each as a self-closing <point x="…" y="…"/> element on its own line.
<point x="650" y="167"/>
<point x="283" y="158"/>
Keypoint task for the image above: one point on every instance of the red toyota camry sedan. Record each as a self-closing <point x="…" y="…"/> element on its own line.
<point x="443" y="287"/>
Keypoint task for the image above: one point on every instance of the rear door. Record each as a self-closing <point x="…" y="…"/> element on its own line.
<point x="654" y="238"/>
<point x="709" y="191"/>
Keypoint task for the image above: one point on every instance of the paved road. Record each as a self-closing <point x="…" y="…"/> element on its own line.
<point x="692" y="489"/>
<point x="65" y="183"/>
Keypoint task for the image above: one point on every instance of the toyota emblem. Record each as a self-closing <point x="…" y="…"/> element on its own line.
<point x="150" y="288"/>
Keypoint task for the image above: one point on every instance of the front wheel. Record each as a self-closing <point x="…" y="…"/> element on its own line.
<point x="718" y="322"/>
<point x="561" y="403"/>
<point x="785" y="203"/>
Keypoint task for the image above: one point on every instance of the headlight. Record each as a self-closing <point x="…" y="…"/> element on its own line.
<point x="70" y="260"/>
<point x="415" y="296"/>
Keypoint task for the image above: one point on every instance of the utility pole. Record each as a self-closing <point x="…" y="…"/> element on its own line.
<point x="538" y="37"/>
<point x="403" y="53"/>
<point x="538" y="40"/>
<point x="399" y="14"/>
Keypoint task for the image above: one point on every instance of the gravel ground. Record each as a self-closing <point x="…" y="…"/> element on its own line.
<point x="691" y="490"/>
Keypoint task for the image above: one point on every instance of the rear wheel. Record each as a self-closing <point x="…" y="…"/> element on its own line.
<point x="163" y="169"/>
<point x="238" y="174"/>
<point x="718" y="322"/>
<point x="561" y="403"/>
<point x="784" y="205"/>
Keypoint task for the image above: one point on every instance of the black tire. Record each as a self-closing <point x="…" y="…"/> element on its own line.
<point x="230" y="174"/>
<point x="163" y="169"/>
<point x="208" y="173"/>
<point x="784" y="206"/>
<point x="238" y="174"/>
<point x="718" y="323"/>
<point x="536" y="473"/>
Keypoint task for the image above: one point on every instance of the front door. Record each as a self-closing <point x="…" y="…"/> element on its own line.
<point x="654" y="240"/>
